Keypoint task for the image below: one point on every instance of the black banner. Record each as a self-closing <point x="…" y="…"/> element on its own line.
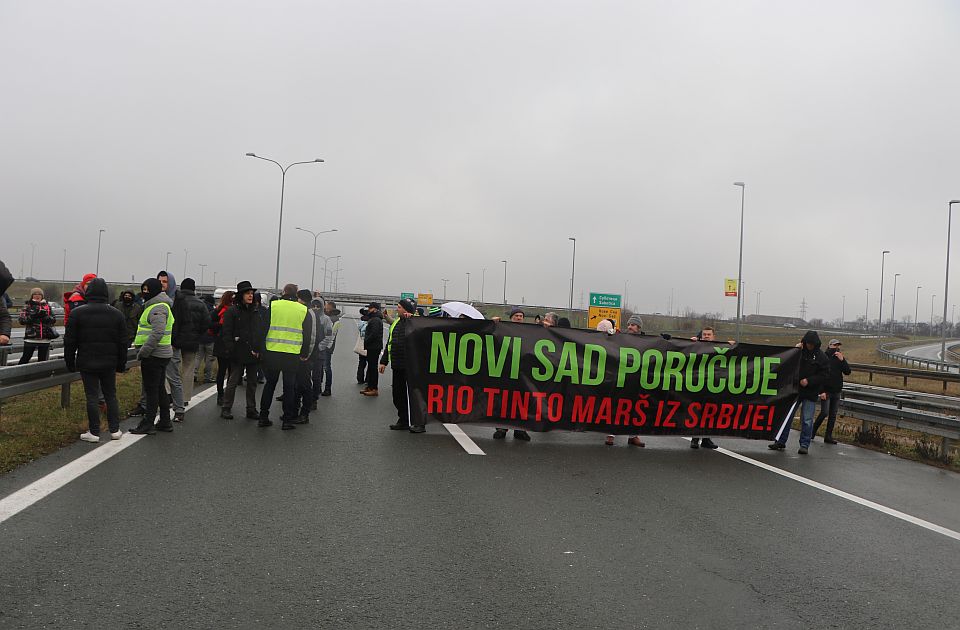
<point x="540" y="379"/>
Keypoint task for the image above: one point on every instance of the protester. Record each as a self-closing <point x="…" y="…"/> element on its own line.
<point x="191" y="320"/>
<point x="635" y="325"/>
<point x="814" y="367"/>
<point x="550" y="320"/>
<point x="39" y="327"/>
<point x="95" y="344"/>
<point x="707" y="334"/>
<point x="516" y="316"/>
<point x="225" y="356"/>
<point x="154" y="340"/>
<point x="832" y="388"/>
<point x="242" y="327"/>
<point x="323" y="368"/>
<point x="373" y="344"/>
<point x="206" y="369"/>
<point x="396" y="352"/>
<point x="76" y="297"/>
<point x="362" y="362"/>
<point x="6" y="325"/>
<point x="284" y="345"/>
<point x="563" y="322"/>
<point x="131" y="310"/>
<point x="174" y="373"/>
<point x="303" y="394"/>
<point x="607" y="326"/>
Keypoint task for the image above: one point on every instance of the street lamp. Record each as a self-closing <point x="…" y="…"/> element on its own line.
<point x="313" y="267"/>
<point x="325" y="259"/>
<point x="573" y="270"/>
<point x="185" y="254"/>
<point x="893" y="304"/>
<point x="63" y="275"/>
<point x="946" y="284"/>
<point x="33" y="250"/>
<point x="468" y="286"/>
<point x="759" y="291"/>
<point x="883" y="260"/>
<point x="483" y="282"/>
<point x="166" y="262"/>
<point x="743" y="194"/>
<point x="99" y="240"/>
<point x="916" y="311"/>
<point x="843" y="312"/>
<point x="866" y="312"/>
<point x="202" y="267"/>
<point x="283" y="182"/>
<point x="444" y="281"/>
<point x="932" y="298"/>
<point x="504" y="282"/>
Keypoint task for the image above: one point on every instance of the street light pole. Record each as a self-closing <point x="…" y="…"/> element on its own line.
<point x="283" y="183"/>
<point x="99" y="240"/>
<point x="932" y="298"/>
<point x="166" y="262"/>
<point x="33" y="250"/>
<point x="444" y="281"/>
<point x="866" y="313"/>
<point x="63" y="275"/>
<point x="468" y="286"/>
<point x="313" y="267"/>
<point x="202" y="267"/>
<point x="185" y="254"/>
<point x="483" y="282"/>
<point x="916" y="311"/>
<point x="843" y="312"/>
<point x="946" y="284"/>
<point x="883" y="260"/>
<point x="504" y="282"/>
<point x="573" y="270"/>
<point x="893" y="304"/>
<point x="743" y="194"/>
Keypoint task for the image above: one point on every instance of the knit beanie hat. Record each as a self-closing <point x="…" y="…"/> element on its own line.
<point x="189" y="284"/>
<point x="151" y="287"/>
<point x="635" y="319"/>
<point x="408" y="305"/>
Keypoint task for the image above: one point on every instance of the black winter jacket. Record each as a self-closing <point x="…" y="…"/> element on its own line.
<point x="373" y="336"/>
<point x="190" y="320"/>
<point x="131" y="315"/>
<point x="242" y="328"/>
<point x="6" y="279"/>
<point x="838" y="368"/>
<point x="396" y="346"/>
<point x="96" y="337"/>
<point x="814" y="367"/>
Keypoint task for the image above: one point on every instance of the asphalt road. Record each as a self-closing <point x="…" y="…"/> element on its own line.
<point x="345" y="524"/>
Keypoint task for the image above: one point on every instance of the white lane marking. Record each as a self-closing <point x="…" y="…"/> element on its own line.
<point x="25" y="497"/>
<point x="468" y="445"/>
<point x="845" y="495"/>
<point x="20" y="500"/>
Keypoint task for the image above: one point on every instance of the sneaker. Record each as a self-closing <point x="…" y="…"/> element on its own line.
<point x="776" y="446"/>
<point x="178" y="417"/>
<point x="326" y="392"/>
<point x="399" y="427"/>
<point x="695" y="443"/>
<point x="89" y="437"/>
<point x="499" y="434"/>
<point x="802" y="450"/>
<point x="609" y="440"/>
<point x="142" y="429"/>
<point x="136" y="412"/>
<point x="521" y="435"/>
<point x="302" y="420"/>
<point x="226" y="414"/>
<point x="708" y="443"/>
<point x="287" y="426"/>
<point x="418" y="428"/>
<point x="829" y="441"/>
<point x="635" y="441"/>
<point x="116" y="435"/>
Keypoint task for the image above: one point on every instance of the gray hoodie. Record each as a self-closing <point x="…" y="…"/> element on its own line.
<point x="158" y="324"/>
<point x="325" y="334"/>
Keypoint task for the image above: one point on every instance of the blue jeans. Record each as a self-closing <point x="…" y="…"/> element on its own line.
<point x="807" y="409"/>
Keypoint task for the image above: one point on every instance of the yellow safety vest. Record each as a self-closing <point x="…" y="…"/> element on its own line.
<point x="286" y="326"/>
<point x="144" y="328"/>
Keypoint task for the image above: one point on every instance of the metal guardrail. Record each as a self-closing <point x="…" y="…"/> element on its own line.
<point x="889" y="350"/>
<point x="907" y="373"/>
<point x="17" y="348"/>
<point x="33" y="377"/>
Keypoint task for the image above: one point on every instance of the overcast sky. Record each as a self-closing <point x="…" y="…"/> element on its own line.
<point x="457" y="134"/>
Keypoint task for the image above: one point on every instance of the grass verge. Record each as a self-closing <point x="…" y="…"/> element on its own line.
<point x="33" y="425"/>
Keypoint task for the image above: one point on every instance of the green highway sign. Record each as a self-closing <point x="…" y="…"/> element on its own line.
<point x="609" y="300"/>
<point x="408" y="296"/>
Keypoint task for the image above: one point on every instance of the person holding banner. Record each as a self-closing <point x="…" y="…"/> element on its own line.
<point x="709" y="335"/>
<point x="516" y="316"/>
<point x="814" y="368"/>
<point x="396" y="352"/>
<point x="634" y="325"/>
<point x="373" y="344"/>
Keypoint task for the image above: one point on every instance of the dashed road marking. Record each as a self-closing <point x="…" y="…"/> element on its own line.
<point x="468" y="445"/>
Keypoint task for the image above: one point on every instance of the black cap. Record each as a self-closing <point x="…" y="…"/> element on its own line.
<point x="375" y="305"/>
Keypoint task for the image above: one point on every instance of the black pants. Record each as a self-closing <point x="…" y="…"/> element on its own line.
<point x="236" y="375"/>
<point x="93" y="384"/>
<point x="275" y="368"/>
<point x="373" y="376"/>
<point x="400" y="400"/>
<point x="223" y="366"/>
<point x="154" y="371"/>
<point x="362" y="369"/>
<point x="828" y="409"/>
<point x="43" y="352"/>
<point x="303" y="395"/>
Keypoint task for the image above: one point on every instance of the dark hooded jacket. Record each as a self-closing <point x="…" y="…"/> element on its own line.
<point x="373" y="336"/>
<point x="190" y="320"/>
<point x="241" y="332"/>
<point x="814" y="367"/>
<point x="131" y="313"/>
<point x="838" y="368"/>
<point x="6" y="279"/>
<point x="96" y="337"/>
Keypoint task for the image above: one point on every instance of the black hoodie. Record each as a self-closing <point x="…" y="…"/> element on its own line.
<point x="96" y="337"/>
<point x="814" y="367"/>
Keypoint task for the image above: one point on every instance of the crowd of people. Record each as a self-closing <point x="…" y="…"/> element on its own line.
<point x="288" y="342"/>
